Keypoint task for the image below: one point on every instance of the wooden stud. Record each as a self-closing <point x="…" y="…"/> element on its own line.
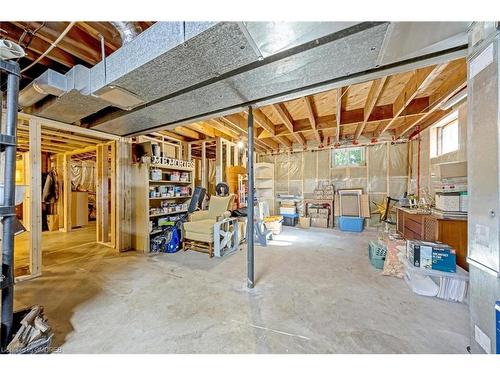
<point x="102" y="191"/>
<point x="35" y="175"/>
<point x="123" y="196"/>
<point x="218" y="162"/>
<point x="204" y="171"/>
<point x="67" y="192"/>
<point x="112" y="193"/>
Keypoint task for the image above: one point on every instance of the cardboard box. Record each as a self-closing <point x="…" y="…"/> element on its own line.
<point x="312" y="211"/>
<point x="323" y="212"/>
<point x="444" y="259"/>
<point x="318" y="222"/>
<point x="304" y="222"/>
<point x="431" y="255"/>
<point x="426" y="256"/>
<point x="413" y="253"/>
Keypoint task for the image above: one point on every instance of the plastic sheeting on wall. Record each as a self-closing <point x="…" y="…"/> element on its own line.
<point x="83" y="175"/>
<point x="377" y="168"/>
<point x="281" y="165"/>
<point x="385" y="173"/>
<point x="310" y="164"/>
<point x="324" y="158"/>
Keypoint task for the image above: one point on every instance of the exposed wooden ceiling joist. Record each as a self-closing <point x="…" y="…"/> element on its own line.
<point x="376" y="89"/>
<point x="445" y="91"/>
<point x="420" y="79"/>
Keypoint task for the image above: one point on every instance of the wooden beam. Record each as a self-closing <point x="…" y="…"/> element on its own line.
<point x="284" y="141"/>
<point x="172" y="135"/>
<point x="447" y="89"/>
<point x="186" y="132"/>
<point x="200" y="128"/>
<point x="95" y="29"/>
<point x="287" y="119"/>
<point x="39" y="45"/>
<point x="420" y="80"/>
<point x="262" y="120"/>
<point x="85" y="140"/>
<point x="283" y="115"/>
<point x="312" y="118"/>
<point x="239" y="122"/>
<point x="373" y="95"/>
<point x="220" y="126"/>
<point x="57" y="125"/>
<point x="213" y="130"/>
<point x="82" y="150"/>
<point x="341" y="92"/>
<point x="67" y="44"/>
<point x="271" y="144"/>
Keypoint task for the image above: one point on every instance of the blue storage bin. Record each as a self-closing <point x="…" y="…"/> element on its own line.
<point x="351" y="224"/>
<point x="290" y="219"/>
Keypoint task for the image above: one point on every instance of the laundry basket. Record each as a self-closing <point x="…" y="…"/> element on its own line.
<point x="376" y="254"/>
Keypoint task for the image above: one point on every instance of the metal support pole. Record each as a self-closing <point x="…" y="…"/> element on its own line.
<point x="250" y="212"/>
<point x="8" y="221"/>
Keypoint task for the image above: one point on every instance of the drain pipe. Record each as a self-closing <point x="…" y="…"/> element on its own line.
<point x="250" y="204"/>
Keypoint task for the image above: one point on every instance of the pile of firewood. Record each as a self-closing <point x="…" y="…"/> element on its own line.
<point x="34" y="335"/>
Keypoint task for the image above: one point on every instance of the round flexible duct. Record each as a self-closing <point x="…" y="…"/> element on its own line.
<point x="128" y="30"/>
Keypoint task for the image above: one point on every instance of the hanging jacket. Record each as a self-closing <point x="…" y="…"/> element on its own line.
<point x="50" y="193"/>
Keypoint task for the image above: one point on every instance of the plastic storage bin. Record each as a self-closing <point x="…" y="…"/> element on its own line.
<point x="290" y="219"/>
<point x="376" y="254"/>
<point x="273" y="223"/>
<point x="351" y="224"/>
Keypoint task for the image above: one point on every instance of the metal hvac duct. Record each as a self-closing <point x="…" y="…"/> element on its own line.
<point x="49" y="83"/>
<point x="176" y="72"/>
<point x="127" y="30"/>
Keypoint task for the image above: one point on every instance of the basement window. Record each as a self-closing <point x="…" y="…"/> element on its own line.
<point x="444" y="136"/>
<point x="348" y="157"/>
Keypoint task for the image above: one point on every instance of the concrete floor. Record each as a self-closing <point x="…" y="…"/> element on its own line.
<point x="57" y="247"/>
<point x="316" y="293"/>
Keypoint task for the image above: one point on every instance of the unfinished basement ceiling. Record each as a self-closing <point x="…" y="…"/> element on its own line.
<point x="175" y="73"/>
<point x="389" y="108"/>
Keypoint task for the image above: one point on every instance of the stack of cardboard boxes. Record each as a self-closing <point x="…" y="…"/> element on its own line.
<point x="324" y="192"/>
<point x="319" y="217"/>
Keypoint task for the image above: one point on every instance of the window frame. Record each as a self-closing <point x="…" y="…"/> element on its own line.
<point x="436" y="135"/>
<point x="348" y="163"/>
